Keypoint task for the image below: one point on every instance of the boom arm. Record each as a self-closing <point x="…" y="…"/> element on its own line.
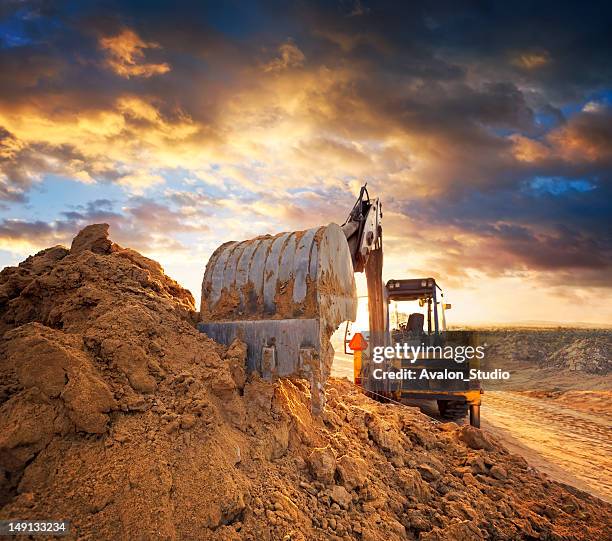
<point x="363" y="231"/>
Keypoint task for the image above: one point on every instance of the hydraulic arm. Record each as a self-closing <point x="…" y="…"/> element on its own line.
<point x="363" y="230"/>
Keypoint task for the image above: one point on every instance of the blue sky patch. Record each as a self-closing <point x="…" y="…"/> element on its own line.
<point x="560" y="185"/>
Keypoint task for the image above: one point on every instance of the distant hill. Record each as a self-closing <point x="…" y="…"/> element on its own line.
<point x="535" y="324"/>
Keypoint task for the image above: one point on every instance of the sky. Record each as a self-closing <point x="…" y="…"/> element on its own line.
<point x="485" y="128"/>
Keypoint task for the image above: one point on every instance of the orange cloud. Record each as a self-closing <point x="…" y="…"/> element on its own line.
<point x="122" y="143"/>
<point x="531" y="60"/>
<point x="586" y="137"/>
<point x="290" y="57"/>
<point x="125" y="55"/>
<point x="529" y="150"/>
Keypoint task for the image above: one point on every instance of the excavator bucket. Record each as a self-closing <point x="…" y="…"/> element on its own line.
<point x="283" y="295"/>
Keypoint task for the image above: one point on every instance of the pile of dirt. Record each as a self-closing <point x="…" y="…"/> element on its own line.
<point x="118" y="415"/>
<point x="576" y="350"/>
<point x="592" y="355"/>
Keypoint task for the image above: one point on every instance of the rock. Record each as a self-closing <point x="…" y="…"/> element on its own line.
<point x="385" y="435"/>
<point x="427" y="472"/>
<point x="137" y="403"/>
<point x="457" y="531"/>
<point x="469" y="479"/>
<point x="419" y="522"/>
<point x="88" y="398"/>
<point x="475" y="438"/>
<point x="132" y="361"/>
<point x="551" y="512"/>
<point x="397" y="461"/>
<point x="271" y="516"/>
<point x="397" y="528"/>
<point x="322" y="464"/>
<point x="188" y="421"/>
<point x="172" y="426"/>
<point x="476" y="464"/>
<point x="308" y="488"/>
<point x="352" y="472"/>
<point x="94" y="238"/>
<point x="447" y="427"/>
<point x="28" y="499"/>
<point x="155" y="348"/>
<point x="341" y="496"/>
<point x="286" y="505"/>
<point x="413" y="484"/>
<point x="236" y="357"/>
<point x="499" y="472"/>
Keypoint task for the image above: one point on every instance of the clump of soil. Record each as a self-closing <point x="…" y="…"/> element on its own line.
<point x="115" y="413"/>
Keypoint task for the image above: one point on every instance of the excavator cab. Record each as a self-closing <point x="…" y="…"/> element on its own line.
<point x="416" y="315"/>
<point x="430" y="300"/>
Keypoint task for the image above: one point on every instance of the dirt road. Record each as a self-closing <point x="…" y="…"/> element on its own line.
<point x="570" y="446"/>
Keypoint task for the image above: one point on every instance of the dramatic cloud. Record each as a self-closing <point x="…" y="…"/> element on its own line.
<point x="290" y="57"/>
<point x="126" y="52"/>
<point x="532" y="60"/>
<point x="23" y="163"/>
<point x="485" y="131"/>
<point x="141" y="223"/>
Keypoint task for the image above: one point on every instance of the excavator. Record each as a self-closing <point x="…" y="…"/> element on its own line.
<point x="284" y="295"/>
<point x="453" y="398"/>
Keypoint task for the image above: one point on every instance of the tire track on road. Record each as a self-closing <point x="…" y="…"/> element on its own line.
<point x="578" y="443"/>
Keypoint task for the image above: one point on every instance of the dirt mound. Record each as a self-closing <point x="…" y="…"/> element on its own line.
<point x="585" y="355"/>
<point x="118" y="415"/>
